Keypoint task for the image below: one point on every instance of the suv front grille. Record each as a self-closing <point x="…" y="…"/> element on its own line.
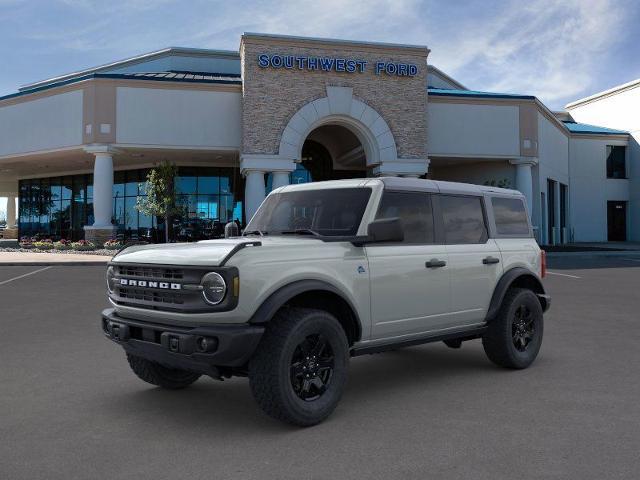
<point x="158" y="273"/>
<point x="168" y="288"/>
<point x="150" y="295"/>
<point x="155" y="298"/>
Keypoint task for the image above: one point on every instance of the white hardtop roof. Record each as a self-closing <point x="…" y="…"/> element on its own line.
<point x="399" y="183"/>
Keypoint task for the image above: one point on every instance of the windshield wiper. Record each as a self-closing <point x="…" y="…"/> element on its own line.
<point x="254" y="232"/>
<point x="300" y="231"/>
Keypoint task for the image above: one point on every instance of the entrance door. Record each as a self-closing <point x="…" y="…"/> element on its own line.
<point x="409" y="280"/>
<point x="617" y="221"/>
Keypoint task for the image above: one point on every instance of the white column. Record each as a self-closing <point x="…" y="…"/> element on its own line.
<point x="11" y="211"/>
<point x="524" y="179"/>
<point x="103" y="190"/>
<point x="253" y="166"/>
<point x="280" y="179"/>
<point x="254" y="192"/>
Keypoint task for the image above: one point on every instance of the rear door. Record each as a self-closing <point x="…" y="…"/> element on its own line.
<point x="475" y="263"/>
<point x="410" y="291"/>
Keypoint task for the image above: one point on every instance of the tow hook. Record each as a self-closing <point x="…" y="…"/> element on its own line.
<point x="118" y="331"/>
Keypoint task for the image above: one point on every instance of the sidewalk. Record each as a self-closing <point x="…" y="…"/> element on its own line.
<point x="37" y="259"/>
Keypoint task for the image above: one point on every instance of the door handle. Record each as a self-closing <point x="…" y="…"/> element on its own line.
<point x="490" y="260"/>
<point x="435" y="263"/>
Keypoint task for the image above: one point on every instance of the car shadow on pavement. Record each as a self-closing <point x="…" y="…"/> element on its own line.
<point x="229" y="405"/>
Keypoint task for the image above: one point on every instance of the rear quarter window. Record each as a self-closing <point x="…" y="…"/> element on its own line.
<point x="463" y="219"/>
<point x="510" y="216"/>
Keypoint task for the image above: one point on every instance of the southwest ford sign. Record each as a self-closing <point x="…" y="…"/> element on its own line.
<point x="335" y="64"/>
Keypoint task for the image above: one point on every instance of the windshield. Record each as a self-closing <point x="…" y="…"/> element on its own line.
<point x="326" y="212"/>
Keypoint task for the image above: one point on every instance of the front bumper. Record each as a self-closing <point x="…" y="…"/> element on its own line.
<point x="198" y="349"/>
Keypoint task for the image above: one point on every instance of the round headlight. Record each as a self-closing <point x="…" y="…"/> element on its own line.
<point x="214" y="288"/>
<point x="111" y="274"/>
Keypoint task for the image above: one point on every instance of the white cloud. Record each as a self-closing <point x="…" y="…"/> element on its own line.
<point x="547" y="48"/>
<point x="552" y="49"/>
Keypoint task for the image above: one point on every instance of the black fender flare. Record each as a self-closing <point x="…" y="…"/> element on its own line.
<point x="280" y="297"/>
<point x="507" y="280"/>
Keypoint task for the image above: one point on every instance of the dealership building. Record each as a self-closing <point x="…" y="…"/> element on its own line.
<point x="75" y="149"/>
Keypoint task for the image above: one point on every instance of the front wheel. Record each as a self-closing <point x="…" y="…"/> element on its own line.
<point x="514" y="337"/>
<point x="156" y="374"/>
<point x="299" y="370"/>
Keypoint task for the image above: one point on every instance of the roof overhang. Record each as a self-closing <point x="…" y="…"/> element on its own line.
<point x="145" y="57"/>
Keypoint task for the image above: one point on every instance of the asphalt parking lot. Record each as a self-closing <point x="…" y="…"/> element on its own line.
<point x="70" y="407"/>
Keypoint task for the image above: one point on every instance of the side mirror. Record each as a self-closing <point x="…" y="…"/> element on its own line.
<point x="386" y="230"/>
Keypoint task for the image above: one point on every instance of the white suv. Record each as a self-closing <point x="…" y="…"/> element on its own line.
<point x="328" y="271"/>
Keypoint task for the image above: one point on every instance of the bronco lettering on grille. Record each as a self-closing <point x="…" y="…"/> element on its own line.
<point x="147" y="284"/>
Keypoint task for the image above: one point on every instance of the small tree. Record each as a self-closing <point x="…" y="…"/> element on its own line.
<point x="160" y="200"/>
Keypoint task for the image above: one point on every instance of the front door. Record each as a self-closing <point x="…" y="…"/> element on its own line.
<point x="410" y="283"/>
<point x="617" y="221"/>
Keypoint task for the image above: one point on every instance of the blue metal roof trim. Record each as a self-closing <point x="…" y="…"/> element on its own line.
<point x="227" y="79"/>
<point x="444" y="92"/>
<point x="585" y="128"/>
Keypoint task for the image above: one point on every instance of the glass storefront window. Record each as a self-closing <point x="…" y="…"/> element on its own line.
<point x="208" y="185"/>
<point x="186" y="184"/>
<point x="59" y="207"/>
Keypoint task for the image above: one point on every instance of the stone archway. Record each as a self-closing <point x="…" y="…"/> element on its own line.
<point x="339" y="107"/>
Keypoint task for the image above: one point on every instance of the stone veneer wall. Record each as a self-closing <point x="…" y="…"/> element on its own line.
<point x="272" y="96"/>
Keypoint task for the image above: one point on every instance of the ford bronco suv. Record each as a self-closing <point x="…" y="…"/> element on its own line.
<point x="327" y="271"/>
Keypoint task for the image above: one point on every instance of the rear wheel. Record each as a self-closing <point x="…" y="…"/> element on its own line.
<point x="514" y="337"/>
<point x="156" y="374"/>
<point x="299" y="371"/>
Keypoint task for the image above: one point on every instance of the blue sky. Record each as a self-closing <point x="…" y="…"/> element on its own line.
<point x="557" y="50"/>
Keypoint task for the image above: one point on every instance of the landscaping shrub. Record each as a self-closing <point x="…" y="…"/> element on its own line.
<point x="62" y="245"/>
<point x="113" y="244"/>
<point x="46" y="244"/>
<point x="83" y="245"/>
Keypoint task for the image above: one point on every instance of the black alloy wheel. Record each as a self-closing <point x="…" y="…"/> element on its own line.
<point x="312" y="367"/>
<point x="522" y="328"/>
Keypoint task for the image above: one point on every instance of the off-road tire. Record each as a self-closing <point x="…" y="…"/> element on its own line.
<point x="498" y="341"/>
<point x="271" y="367"/>
<point x="156" y="374"/>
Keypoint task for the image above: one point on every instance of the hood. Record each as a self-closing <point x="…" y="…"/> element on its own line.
<point x="207" y="252"/>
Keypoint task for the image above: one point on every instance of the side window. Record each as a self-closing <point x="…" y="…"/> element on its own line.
<point x="616" y="167"/>
<point x="463" y="219"/>
<point x="414" y="209"/>
<point x="510" y="216"/>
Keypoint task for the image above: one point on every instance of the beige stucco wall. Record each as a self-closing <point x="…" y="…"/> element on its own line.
<point x="619" y="110"/>
<point x="473" y="129"/>
<point x="590" y="189"/>
<point x="45" y="123"/>
<point x="272" y="96"/>
<point x="178" y="117"/>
